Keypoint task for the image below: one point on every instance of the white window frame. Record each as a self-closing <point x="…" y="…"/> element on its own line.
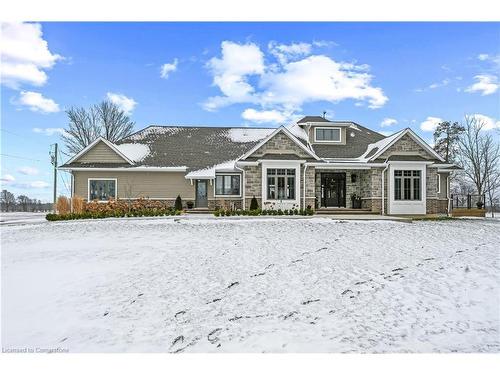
<point x="407" y="207"/>
<point x="224" y="195"/>
<point x="412" y="188"/>
<point x="105" y="179"/>
<point x="439" y="183"/>
<point x="329" y="128"/>
<point x="281" y="164"/>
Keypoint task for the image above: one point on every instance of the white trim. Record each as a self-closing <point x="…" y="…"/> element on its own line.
<point x="439" y="183"/>
<point x="328" y="128"/>
<point x="407" y="207"/>
<point x="102" y="179"/>
<point x="90" y="146"/>
<point x="265" y="140"/>
<point x="345" y="165"/>
<point x="286" y="164"/>
<point x="247" y="163"/>
<point x="131" y="169"/>
<point x="415" y="137"/>
<point x="227" y="174"/>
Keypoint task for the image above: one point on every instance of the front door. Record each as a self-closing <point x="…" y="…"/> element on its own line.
<point x="201" y="193"/>
<point x="333" y="190"/>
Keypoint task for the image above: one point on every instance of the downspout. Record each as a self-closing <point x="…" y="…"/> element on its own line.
<point x="382" y="207"/>
<point x="448" y="193"/>
<point x="304" y="189"/>
<point x="243" y="184"/>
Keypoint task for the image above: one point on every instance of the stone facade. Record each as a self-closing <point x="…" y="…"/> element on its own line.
<point x="309" y="176"/>
<point x="281" y="144"/>
<point x="405" y="145"/>
<point x="253" y="184"/>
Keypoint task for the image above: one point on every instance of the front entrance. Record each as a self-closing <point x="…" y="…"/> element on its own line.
<point x="333" y="190"/>
<point x="201" y="194"/>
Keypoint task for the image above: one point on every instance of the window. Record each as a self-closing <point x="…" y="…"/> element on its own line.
<point x="280" y="183"/>
<point x="102" y="190"/>
<point x="438" y="183"/>
<point x="227" y="185"/>
<point x="407" y="185"/>
<point x="327" y="135"/>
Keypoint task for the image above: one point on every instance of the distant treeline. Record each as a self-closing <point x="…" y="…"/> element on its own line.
<point x="22" y="203"/>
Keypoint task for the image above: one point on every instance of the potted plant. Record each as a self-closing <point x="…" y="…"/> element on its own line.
<point x="479" y="204"/>
<point x="356" y="200"/>
<point x="189" y="204"/>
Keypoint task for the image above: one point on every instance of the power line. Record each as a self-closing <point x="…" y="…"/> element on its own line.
<point x="19" y="157"/>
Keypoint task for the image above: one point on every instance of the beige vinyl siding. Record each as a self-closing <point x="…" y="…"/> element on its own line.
<point x="101" y="153"/>
<point x="161" y="185"/>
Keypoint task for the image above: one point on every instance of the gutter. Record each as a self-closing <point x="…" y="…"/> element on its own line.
<point x="304" y="188"/>
<point x="382" y="207"/>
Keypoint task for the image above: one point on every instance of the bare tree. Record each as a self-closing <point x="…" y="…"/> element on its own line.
<point x="8" y="200"/>
<point x="479" y="156"/>
<point x="446" y="138"/>
<point x="23" y="201"/>
<point x="105" y="120"/>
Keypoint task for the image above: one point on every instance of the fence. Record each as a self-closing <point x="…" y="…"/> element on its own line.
<point x="468" y="201"/>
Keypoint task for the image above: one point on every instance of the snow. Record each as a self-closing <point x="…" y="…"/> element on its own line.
<point x="154" y="130"/>
<point x="134" y="151"/>
<point x="227" y="166"/>
<point x="243" y="135"/>
<point x="252" y="285"/>
<point x="380" y="145"/>
<point x="298" y="132"/>
<point x="22" y="217"/>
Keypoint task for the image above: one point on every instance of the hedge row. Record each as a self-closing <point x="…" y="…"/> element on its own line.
<point x="117" y="213"/>
<point x="259" y="212"/>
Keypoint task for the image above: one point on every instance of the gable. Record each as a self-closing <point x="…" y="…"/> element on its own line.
<point x="406" y="145"/>
<point x="279" y="144"/>
<point x="100" y="153"/>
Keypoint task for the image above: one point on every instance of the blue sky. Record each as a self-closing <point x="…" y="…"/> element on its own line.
<point x="385" y="76"/>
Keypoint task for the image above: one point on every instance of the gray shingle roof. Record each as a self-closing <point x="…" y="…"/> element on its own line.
<point x="312" y="119"/>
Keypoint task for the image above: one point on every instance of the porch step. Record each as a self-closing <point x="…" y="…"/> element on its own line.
<point x="343" y="211"/>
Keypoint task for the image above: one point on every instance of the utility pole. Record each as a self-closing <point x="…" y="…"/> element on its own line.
<point x="53" y="160"/>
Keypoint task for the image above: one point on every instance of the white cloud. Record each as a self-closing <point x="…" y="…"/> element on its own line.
<point x="32" y="185"/>
<point x="126" y="104"/>
<point x="430" y="124"/>
<point x="7" y="178"/>
<point x="168" y="68"/>
<point x="48" y="131"/>
<point x="272" y="116"/>
<point x="29" y="171"/>
<point x="287" y="85"/>
<point x="388" y="122"/>
<point x="486" y="84"/>
<point x="36" y="102"/>
<point x="25" y="55"/>
<point x="231" y="71"/>
<point x="286" y="52"/>
<point x="483" y="56"/>
<point x="487" y="122"/>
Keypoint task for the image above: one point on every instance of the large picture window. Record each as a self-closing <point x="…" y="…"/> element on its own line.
<point x="227" y="185"/>
<point x="280" y="183"/>
<point x="102" y="190"/>
<point x="327" y="135"/>
<point x="407" y="185"/>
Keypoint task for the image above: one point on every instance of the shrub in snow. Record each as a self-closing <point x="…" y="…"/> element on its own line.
<point x="63" y="206"/>
<point x="77" y="204"/>
<point x="253" y="204"/>
<point x="178" y="203"/>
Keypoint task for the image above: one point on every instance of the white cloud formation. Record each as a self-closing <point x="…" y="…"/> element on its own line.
<point x="388" y="122"/>
<point x="231" y="71"/>
<point x="487" y="122"/>
<point x="286" y="52"/>
<point x="271" y="116"/>
<point x="126" y="104"/>
<point x="168" y="68"/>
<point x="430" y="124"/>
<point x="29" y="171"/>
<point x="7" y="178"/>
<point x="36" y="102"/>
<point x="32" y="185"/>
<point x="296" y="79"/>
<point x="483" y="56"/>
<point x="25" y="55"/>
<point x="486" y="84"/>
<point x="48" y="131"/>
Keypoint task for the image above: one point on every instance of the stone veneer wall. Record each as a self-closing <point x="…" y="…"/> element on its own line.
<point x="309" y="175"/>
<point x="280" y="144"/>
<point x="405" y="145"/>
<point x="253" y="184"/>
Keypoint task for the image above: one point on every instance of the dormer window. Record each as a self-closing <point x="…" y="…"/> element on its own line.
<point x="327" y="135"/>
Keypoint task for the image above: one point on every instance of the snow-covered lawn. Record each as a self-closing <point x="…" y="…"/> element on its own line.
<point x="253" y="285"/>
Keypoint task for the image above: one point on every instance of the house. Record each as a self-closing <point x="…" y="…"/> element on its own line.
<point x="314" y="162"/>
